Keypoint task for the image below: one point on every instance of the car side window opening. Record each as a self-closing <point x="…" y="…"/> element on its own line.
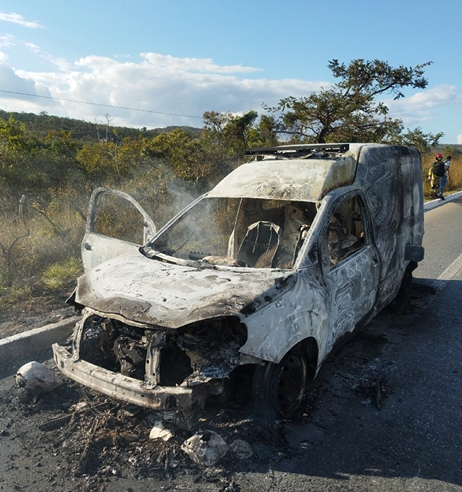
<point x="345" y="233"/>
<point x="289" y="223"/>
<point x="117" y="218"/>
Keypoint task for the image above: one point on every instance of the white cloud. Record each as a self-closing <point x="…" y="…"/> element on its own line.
<point x="33" y="47"/>
<point x="422" y="106"/>
<point x="193" y="64"/>
<point x="459" y="138"/>
<point x="14" y="86"/>
<point x="6" y="41"/>
<point x="164" y="90"/>
<point x="167" y="90"/>
<point x="61" y="63"/>
<point x="18" y="19"/>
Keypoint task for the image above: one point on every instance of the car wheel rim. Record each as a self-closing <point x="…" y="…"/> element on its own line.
<point x="290" y="383"/>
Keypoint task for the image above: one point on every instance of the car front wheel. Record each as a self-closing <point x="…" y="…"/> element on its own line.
<point x="282" y="386"/>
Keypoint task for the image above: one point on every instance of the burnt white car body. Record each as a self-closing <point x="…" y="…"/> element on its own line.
<point x="270" y="269"/>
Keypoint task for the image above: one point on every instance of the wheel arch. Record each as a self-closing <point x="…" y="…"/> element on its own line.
<point x="280" y="387"/>
<point x="310" y="345"/>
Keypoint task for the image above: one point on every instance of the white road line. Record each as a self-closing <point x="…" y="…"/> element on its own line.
<point x="452" y="270"/>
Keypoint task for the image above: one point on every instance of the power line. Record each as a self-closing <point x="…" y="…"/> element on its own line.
<point x="100" y="104"/>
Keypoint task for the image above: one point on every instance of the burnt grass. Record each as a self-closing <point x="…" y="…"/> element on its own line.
<point x="92" y="439"/>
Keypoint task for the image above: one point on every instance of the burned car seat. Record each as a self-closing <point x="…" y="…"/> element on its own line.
<point x="260" y="244"/>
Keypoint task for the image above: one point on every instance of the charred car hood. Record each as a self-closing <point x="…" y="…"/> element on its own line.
<point x="149" y="291"/>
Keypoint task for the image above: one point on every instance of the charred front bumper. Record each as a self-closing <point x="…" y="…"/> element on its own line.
<point x="188" y="402"/>
<point x="150" y="366"/>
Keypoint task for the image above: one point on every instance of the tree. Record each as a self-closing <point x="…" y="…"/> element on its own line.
<point x="232" y="131"/>
<point x="109" y="163"/>
<point x="349" y="111"/>
<point x="264" y="133"/>
<point x="225" y="137"/>
<point x="13" y="135"/>
<point x="181" y="153"/>
<point x="21" y="164"/>
<point x="423" y="142"/>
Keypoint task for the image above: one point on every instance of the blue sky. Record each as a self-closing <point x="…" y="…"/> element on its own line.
<point x="169" y="61"/>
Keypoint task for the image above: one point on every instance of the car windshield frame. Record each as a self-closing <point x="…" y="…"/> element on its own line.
<point x="235" y="232"/>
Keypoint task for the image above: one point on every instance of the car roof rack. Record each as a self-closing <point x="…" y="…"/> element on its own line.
<point x="299" y="150"/>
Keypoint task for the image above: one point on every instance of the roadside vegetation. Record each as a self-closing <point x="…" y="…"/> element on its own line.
<point x="49" y="166"/>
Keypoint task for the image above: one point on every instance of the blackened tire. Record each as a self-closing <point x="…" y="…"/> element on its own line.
<point x="281" y="387"/>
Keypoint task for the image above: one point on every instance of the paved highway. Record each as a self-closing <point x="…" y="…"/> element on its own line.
<point x="442" y="242"/>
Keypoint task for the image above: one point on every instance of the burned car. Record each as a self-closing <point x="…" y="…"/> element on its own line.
<point x="267" y="271"/>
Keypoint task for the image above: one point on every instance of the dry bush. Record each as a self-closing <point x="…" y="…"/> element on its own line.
<point x="32" y="242"/>
<point x="455" y="175"/>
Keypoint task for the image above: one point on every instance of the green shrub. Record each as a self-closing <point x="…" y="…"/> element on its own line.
<point x="13" y="295"/>
<point x="56" y="276"/>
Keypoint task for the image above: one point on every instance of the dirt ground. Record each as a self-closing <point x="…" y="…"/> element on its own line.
<point x="36" y="311"/>
<point x="73" y="439"/>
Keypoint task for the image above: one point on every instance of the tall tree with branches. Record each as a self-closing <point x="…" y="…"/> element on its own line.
<point x="349" y="110"/>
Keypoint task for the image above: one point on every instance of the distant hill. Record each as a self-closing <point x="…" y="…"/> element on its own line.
<point x="41" y="124"/>
<point x="446" y="149"/>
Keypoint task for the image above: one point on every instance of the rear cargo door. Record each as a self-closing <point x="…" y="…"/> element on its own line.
<point x="116" y="225"/>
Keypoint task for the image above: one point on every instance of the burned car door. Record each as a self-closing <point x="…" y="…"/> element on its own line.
<point x="350" y="264"/>
<point x="116" y="225"/>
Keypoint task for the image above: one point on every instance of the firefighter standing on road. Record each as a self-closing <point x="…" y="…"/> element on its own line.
<point x="433" y="178"/>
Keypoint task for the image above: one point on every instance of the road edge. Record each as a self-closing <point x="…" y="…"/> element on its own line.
<point x="32" y="341"/>
<point x="438" y="202"/>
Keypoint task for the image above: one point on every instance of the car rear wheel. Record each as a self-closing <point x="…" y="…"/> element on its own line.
<point x="282" y="386"/>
